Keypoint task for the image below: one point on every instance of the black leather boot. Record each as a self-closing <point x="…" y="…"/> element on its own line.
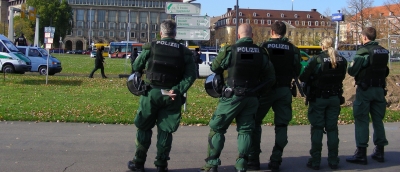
<point x="274" y="166"/>
<point x="212" y="169"/>
<point x="162" y="169"/>
<point x="137" y="167"/>
<point x="378" y="154"/>
<point x="253" y="165"/>
<point x="359" y="157"/>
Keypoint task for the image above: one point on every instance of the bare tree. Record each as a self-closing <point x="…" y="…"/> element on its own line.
<point x="358" y="7"/>
<point x="393" y="20"/>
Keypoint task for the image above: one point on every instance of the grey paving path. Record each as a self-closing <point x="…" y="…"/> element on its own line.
<point x="54" y="147"/>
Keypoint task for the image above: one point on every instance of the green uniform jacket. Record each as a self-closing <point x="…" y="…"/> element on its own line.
<point x="297" y="56"/>
<point x="189" y="75"/>
<point x="361" y="60"/>
<point x="223" y="59"/>
<point x="313" y="68"/>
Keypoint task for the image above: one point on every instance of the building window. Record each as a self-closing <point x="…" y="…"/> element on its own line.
<point x="153" y="17"/>
<point x="296" y="22"/>
<point x="329" y="23"/>
<point x="234" y="21"/>
<point x="79" y="24"/>
<point x="133" y="35"/>
<point x="282" y="15"/>
<point x="308" y="16"/>
<point x="101" y="33"/>
<point x="79" y="33"/>
<point x="121" y="34"/>
<point x="290" y="22"/>
<point x="101" y="15"/>
<point x="112" y="15"/>
<point x="143" y="17"/>
<point x="254" y="14"/>
<point x="309" y="23"/>
<point x="111" y="25"/>
<point x="101" y="25"/>
<point x="295" y="16"/>
<point x="123" y="16"/>
<point x="134" y="26"/>
<point x="240" y="20"/>
<point x="262" y="21"/>
<point x="269" y="22"/>
<point x="111" y="33"/>
<point x="321" y="16"/>
<point x="268" y="15"/>
<point x="122" y="25"/>
<point x="303" y="23"/>
<point x="227" y="21"/>
<point x="154" y="27"/>
<point x="143" y="26"/>
<point x="240" y="13"/>
<point x="153" y="35"/>
<point x="316" y="23"/>
<point x="248" y="21"/>
<point x="133" y="17"/>
<point x="322" y="23"/>
<point x="255" y="21"/>
<point x="143" y="35"/>
<point x="80" y="15"/>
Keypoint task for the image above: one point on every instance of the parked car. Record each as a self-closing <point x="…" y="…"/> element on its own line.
<point x="11" y="60"/>
<point x="93" y="54"/>
<point x="38" y="57"/>
<point x="207" y="58"/>
<point x="86" y="52"/>
<point x="70" y="52"/>
<point x="78" y="51"/>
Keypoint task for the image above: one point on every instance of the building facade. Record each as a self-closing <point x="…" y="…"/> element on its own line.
<point x="104" y="21"/>
<point x="304" y="27"/>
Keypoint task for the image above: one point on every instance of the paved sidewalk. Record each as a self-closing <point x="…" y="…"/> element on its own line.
<point x="81" y="147"/>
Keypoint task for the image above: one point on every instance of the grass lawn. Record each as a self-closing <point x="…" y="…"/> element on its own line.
<point x="71" y="96"/>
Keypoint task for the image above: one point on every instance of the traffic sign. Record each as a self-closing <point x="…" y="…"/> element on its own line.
<point x="193" y="21"/>
<point x="192" y="34"/>
<point x="337" y="17"/>
<point x="49" y="29"/>
<point x="182" y="8"/>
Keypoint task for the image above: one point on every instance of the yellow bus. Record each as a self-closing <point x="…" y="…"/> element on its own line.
<point x="193" y="47"/>
<point x="309" y="51"/>
<point x="106" y="48"/>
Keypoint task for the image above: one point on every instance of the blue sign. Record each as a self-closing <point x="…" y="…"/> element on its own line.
<point x="337" y="17"/>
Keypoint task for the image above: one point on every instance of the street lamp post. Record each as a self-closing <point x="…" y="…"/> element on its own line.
<point x="237" y="19"/>
<point x="216" y="45"/>
<point x="292" y="5"/>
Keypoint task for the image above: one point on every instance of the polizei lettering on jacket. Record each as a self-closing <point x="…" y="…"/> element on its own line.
<point x="381" y="51"/>
<point x="248" y="50"/>
<point x="171" y="44"/>
<point x="329" y="60"/>
<point x="278" y="46"/>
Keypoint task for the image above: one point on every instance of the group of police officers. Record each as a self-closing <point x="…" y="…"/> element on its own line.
<point x="256" y="78"/>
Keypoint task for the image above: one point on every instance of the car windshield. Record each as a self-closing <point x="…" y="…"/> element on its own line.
<point x="10" y="46"/>
<point x="44" y="52"/>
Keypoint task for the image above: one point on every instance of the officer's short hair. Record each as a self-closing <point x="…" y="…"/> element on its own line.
<point x="370" y="33"/>
<point x="279" y="28"/>
<point x="168" y="28"/>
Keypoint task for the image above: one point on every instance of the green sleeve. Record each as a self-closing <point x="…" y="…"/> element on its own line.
<point x="360" y="60"/>
<point x="221" y="62"/>
<point x="189" y="75"/>
<point x="140" y="62"/>
<point x="309" y="69"/>
<point x="296" y="62"/>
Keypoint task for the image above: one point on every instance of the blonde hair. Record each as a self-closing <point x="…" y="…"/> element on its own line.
<point x="332" y="53"/>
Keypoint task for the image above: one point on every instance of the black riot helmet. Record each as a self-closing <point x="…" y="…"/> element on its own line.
<point x="135" y="84"/>
<point x="213" y="85"/>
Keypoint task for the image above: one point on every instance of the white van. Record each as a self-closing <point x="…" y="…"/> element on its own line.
<point x="207" y="58"/>
<point x="11" y="59"/>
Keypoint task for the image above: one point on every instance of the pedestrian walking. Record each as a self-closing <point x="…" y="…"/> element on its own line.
<point x="325" y="74"/>
<point x="248" y="67"/>
<point x="369" y="69"/>
<point x="99" y="63"/>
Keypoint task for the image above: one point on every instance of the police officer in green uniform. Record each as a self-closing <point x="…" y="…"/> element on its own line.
<point x="247" y="67"/>
<point x="325" y="74"/>
<point x="286" y="60"/>
<point x="168" y="67"/>
<point x="369" y="68"/>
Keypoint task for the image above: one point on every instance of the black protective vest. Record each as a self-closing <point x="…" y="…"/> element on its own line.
<point x="375" y="73"/>
<point x="331" y="78"/>
<point x="21" y="41"/>
<point x="165" y="64"/>
<point x="282" y="56"/>
<point x="245" y="66"/>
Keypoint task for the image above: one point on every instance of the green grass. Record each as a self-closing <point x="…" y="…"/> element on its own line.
<point x="72" y="97"/>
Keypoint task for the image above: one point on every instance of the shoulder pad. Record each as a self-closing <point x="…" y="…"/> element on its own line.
<point x="226" y="48"/>
<point x="146" y="46"/>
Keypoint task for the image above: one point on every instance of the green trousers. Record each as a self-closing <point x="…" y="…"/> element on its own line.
<point x="159" y="109"/>
<point x="372" y="101"/>
<point x="323" y="115"/>
<point x="243" y="112"/>
<point x="280" y="99"/>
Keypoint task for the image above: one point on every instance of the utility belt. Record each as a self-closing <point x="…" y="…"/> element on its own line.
<point x="228" y="92"/>
<point x="373" y="83"/>
<point x="325" y="94"/>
